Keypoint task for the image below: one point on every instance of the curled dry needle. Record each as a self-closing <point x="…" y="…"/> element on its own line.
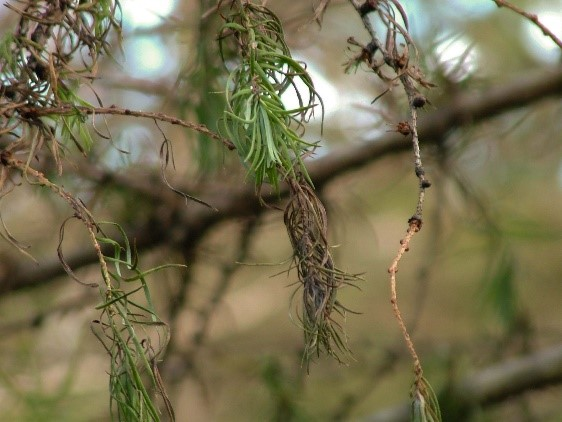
<point x="394" y="51"/>
<point x="36" y="62"/>
<point x="307" y="224"/>
<point x="54" y="50"/>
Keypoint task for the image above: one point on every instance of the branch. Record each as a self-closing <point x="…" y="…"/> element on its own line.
<point x="410" y="76"/>
<point x="67" y="110"/>
<point x="492" y="385"/>
<point x="462" y="110"/>
<point x="414" y="227"/>
<point x="193" y="221"/>
<point x="533" y="18"/>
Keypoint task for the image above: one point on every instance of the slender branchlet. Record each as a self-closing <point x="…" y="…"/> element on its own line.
<point x="53" y="51"/>
<point x="533" y="18"/>
<point x="392" y="57"/>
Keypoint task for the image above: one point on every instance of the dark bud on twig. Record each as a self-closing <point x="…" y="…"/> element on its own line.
<point x="419" y="101"/>
<point x="415" y="221"/>
<point x="371" y="48"/>
<point x="41" y="71"/>
<point x="367" y="7"/>
<point x="404" y="128"/>
<point x="5" y="157"/>
<point x="39" y="34"/>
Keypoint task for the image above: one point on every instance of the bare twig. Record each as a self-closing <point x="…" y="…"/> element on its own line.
<point x="533" y="18"/>
<point x="413" y="228"/>
<point x="407" y="73"/>
<point x="80" y="212"/>
<point x="320" y="9"/>
<point x="67" y="110"/>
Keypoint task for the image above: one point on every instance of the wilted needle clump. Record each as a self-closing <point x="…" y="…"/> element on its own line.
<point x="268" y="138"/>
<point x="307" y="226"/>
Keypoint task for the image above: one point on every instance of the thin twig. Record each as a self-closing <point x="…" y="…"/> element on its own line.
<point x="79" y="208"/>
<point x="67" y="110"/>
<point x="407" y="74"/>
<point x="533" y="18"/>
<point x="424" y="401"/>
<point x="502" y="382"/>
<point x="404" y="247"/>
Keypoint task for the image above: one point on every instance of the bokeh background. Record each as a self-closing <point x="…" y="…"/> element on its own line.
<point x="481" y="284"/>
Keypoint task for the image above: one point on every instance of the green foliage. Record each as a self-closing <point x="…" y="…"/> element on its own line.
<point x="132" y="334"/>
<point x="38" y="63"/>
<point x="42" y="75"/>
<point x="425" y="406"/>
<point x="38" y="73"/>
<point x="266" y="137"/>
<point x="263" y="130"/>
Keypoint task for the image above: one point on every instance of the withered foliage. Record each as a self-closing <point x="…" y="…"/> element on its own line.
<point x="307" y="226"/>
<point x="269" y="139"/>
<point x="48" y="37"/>
<point x="54" y="49"/>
